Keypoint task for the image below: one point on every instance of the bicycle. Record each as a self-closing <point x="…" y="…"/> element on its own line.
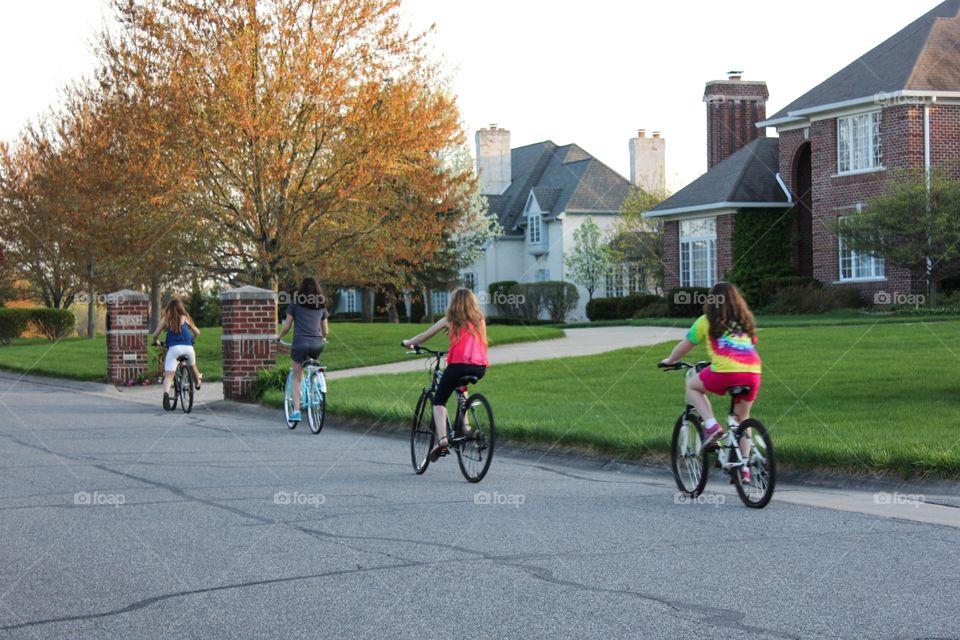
<point x="689" y="459"/>
<point x="182" y="382"/>
<point x="473" y="433"/>
<point x="313" y="394"/>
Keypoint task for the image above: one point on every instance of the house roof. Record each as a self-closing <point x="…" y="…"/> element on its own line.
<point x="561" y="178"/>
<point x="747" y="178"/>
<point x="923" y="56"/>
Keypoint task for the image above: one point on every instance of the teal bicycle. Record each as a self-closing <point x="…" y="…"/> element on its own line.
<point x="313" y="395"/>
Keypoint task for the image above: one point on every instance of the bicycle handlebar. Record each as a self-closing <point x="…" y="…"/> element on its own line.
<point x="676" y="366"/>
<point x="418" y="349"/>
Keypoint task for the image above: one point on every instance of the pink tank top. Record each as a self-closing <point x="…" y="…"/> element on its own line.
<point x="467" y="348"/>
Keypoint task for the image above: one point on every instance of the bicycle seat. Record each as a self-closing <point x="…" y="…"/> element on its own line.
<point x="739" y="390"/>
<point x="182" y="359"/>
<point x="465" y="380"/>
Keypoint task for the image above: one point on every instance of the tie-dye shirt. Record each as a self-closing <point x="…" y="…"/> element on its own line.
<point x="731" y="353"/>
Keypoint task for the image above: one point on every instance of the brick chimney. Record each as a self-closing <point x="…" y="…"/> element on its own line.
<point x="493" y="160"/>
<point x="647" y="169"/>
<point x="734" y="106"/>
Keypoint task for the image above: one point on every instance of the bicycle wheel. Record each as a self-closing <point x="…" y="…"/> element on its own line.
<point x="317" y="403"/>
<point x="288" y="401"/>
<point x="186" y="389"/>
<point x="476" y="452"/>
<point x="762" y="463"/>
<point x="422" y="434"/>
<point x="687" y="458"/>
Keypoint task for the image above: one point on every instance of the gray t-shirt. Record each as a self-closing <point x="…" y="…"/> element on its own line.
<point x="306" y="323"/>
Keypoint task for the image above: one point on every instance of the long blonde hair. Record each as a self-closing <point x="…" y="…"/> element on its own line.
<point x="172" y="314"/>
<point x="464" y="314"/>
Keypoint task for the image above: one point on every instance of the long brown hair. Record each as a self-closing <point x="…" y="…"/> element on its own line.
<point x="464" y="314"/>
<point x="727" y="311"/>
<point x="172" y="314"/>
<point x="310" y="295"/>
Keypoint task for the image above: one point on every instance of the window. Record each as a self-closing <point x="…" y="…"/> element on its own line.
<point x="441" y="300"/>
<point x="613" y="284"/>
<point x="542" y="275"/>
<point x="470" y="281"/>
<point x="698" y="252"/>
<point x="350" y="301"/>
<point x="535" y="224"/>
<point x="859" y="266"/>
<point x="858" y="143"/>
<point x="624" y="279"/>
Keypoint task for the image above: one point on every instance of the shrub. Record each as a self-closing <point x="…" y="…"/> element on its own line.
<point x="529" y="299"/>
<point x="13" y="322"/>
<point x="808" y="299"/>
<point x="659" y="309"/>
<point x="53" y="324"/>
<point x="559" y="298"/>
<point x="687" y="302"/>
<point x="602" y="309"/>
<point x="267" y="379"/>
<point x="499" y="296"/>
<point x="628" y="306"/>
<point x="767" y="290"/>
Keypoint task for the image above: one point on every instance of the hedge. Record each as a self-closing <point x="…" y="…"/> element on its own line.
<point x="13" y="322"/>
<point x="626" y="308"/>
<point x="53" y="324"/>
<point x="687" y="302"/>
<point x="603" y="309"/>
<point x="559" y="298"/>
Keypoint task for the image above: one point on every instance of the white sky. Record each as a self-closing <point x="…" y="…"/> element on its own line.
<point x="590" y="72"/>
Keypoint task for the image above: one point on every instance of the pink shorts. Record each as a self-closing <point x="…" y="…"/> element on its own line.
<point x="718" y="383"/>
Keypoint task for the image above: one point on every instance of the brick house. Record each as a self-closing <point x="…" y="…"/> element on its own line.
<point x="895" y="107"/>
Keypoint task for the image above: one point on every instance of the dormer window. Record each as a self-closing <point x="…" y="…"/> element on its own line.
<point x="858" y="143"/>
<point x="535" y="228"/>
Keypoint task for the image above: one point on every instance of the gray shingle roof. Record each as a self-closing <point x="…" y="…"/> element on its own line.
<point x="562" y="179"/>
<point x="746" y="178"/>
<point x="923" y="56"/>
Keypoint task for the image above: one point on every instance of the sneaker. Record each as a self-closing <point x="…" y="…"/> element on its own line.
<point x="744" y="475"/>
<point x="199" y="381"/>
<point x="710" y="434"/>
<point x="295" y="416"/>
<point x="166" y="402"/>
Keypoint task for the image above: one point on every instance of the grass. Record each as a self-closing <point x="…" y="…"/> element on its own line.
<point x="351" y="345"/>
<point x="876" y="398"/>
<point x="846" y="317"/>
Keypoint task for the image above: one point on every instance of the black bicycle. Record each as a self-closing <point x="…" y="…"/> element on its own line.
<point x="473" y="433"/>
<point x="182" y="384"/>
<point x="745" y="444"/>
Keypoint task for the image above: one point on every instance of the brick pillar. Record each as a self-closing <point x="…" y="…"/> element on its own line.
<point x="127" y="328"/>
<point x="249" y="338"/>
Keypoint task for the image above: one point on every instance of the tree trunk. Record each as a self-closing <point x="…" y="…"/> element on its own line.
<point x="428" y="303"/>
<point x="92" y="314"/>
<point x="392" y="316"/>
<point x="154" y="301"/>
<point x="366" y="304"/>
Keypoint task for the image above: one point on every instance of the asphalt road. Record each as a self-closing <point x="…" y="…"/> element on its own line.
<point x="120" y="521"/>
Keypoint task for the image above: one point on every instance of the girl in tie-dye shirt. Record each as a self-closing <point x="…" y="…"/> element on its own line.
<point x="727" y="330"/>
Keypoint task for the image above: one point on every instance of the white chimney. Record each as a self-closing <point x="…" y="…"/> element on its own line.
<point x="647" y="165"/>
<point x="493" y="160"/>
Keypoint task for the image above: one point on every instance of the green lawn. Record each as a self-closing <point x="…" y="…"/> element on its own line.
<point x="846" y="317"/>
<point x="351" y="345"/>
<point x="881" y="397"/>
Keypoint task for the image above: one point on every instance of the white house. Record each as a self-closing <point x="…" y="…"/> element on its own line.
<point x="541" y="193"/>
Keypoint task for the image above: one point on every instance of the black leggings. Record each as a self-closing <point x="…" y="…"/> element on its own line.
<point x="451" y="376"/>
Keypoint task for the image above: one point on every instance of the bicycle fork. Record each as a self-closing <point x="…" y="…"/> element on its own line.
<point x="730" y="442"/>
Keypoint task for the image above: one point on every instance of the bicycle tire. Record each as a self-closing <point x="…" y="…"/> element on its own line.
<point x="762" y="464"/>
<point x="186" y="390"/>
<point x="288" y="401"/>
<point x="690" y="466"/>
<point x="475" y="454"/>
<point x="316" y="404"/>
<point x="422" y="434"/>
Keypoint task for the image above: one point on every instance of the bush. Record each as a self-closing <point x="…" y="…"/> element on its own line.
<point x="659" y="309"/>
<point x="559" y="298"/>
<point x="499" y="296"/>
<point x="603" y="309"/>
<point x="790" y="300"/>
<point x="767" y="290"/>
<point x="13" y="322"/>
<point x="628" y="306"/>
<point x="267" y="379"/>
<point x="53" y="324"/>
<point x="529" y="299"/>
<point x="687" y="302"/>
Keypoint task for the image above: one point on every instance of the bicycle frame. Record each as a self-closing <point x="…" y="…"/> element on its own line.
<point x="454" y="429"/>
<point x="731" y="437"/>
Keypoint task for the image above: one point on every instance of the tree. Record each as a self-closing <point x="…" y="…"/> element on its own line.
<point x="914" y="225"/>
<point x="302" y="117"/>
<point x="590" y="259"/>
<point x="639" y="241"/>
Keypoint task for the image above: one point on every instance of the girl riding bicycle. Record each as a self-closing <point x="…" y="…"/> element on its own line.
<point x="181" y="333"/>
<point x="467" y="328"/>
<point x="728" y="329"/>
<point x="307" y="314"/>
